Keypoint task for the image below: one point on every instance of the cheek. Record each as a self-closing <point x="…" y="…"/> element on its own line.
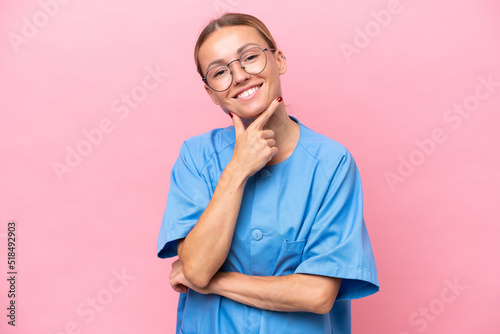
<point x="273" y="66"/>
<point x="272" y="74"/>
<point x="216" y="98"/>
<point x="274" y="82"/>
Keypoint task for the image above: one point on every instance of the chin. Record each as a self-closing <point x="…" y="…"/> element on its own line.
<point x="252" y="111"/>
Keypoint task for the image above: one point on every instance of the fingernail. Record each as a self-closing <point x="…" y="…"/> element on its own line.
<point x="279" y="99"/>
<point x="230" y="114"/>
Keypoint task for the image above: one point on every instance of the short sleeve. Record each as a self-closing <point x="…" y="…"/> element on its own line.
<point x="187" y="199"/>
<point x="338" y="244"/>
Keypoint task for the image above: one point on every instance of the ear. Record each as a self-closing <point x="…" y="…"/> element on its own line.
<point x="211" y="94"/>
<point x="281" y="61"/>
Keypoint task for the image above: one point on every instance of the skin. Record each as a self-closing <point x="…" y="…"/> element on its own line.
<point x="265" y="135"/>
<point x="222" y="44"/>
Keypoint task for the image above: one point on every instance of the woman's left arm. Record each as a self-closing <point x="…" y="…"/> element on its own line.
<point x="290" y="293"/>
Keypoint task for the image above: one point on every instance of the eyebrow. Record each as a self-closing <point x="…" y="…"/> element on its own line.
<point x="240" y="49"/>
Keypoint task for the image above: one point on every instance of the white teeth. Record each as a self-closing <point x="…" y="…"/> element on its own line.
<point x="248" y="92"/>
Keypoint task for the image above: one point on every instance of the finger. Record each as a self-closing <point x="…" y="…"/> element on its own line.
<point x="176" y="284"/>
<point x="274" y="150"/>
<point x="180" y="288"/>
<point x="268" y="133"/>
<point x="271" y="142"/>
<point x="238" y="124"/>
<point x="260" y="121"/>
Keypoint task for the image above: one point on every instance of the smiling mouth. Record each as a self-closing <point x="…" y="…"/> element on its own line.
<point x="248" y="92"/>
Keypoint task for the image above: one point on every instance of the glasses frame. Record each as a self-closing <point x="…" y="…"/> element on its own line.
<point x="243" y="68"/>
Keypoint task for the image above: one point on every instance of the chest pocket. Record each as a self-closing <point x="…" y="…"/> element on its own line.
<point x="289" y="257"/>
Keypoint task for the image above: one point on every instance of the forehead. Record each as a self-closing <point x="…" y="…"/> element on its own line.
<point x="225" y="42"/>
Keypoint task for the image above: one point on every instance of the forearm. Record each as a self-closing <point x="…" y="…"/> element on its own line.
<point x="205" y="248"/>
<point x="291" y="293"/>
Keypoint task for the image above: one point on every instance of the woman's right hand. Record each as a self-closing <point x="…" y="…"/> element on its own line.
<point x="207" y="245"/>
<point x="254" y="146"/>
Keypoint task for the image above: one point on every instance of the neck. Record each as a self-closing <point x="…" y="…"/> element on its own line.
<point x="279" y="122"/>
<point x="286" y="133"/>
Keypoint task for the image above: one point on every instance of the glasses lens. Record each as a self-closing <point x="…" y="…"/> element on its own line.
<point x="219" y="77"/>
<point x="253" y="60"/>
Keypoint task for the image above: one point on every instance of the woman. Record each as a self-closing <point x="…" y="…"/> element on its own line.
<point x="266" y="215"/>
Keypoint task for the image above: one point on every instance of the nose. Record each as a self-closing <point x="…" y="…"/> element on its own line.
<point x="239" y="75"/>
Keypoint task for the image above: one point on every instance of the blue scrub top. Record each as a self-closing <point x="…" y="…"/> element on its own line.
<point x="302" y="215"/>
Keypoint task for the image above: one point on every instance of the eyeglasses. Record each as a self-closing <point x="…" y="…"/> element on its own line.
<point x="253" y="61"/>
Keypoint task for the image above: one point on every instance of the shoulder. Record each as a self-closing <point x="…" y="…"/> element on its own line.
<point x="201" y="148"/>
<point x="329" y="153"/>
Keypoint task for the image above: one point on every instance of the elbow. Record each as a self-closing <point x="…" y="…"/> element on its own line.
<point x="196" y="278"/>
<point x="324" y="295"/>
<point x="198" y="282"/>
<point x="323" y="300"/>
<point x="323" y="306"/>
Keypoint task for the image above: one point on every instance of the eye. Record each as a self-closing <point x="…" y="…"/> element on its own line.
<point x="250" y="57"/>
<point x="218" y="72"/>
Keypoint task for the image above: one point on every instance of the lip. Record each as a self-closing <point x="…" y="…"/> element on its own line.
<point x="244" y="89"/>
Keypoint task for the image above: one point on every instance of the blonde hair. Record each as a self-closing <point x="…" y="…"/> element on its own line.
<point x="228" y="20"/>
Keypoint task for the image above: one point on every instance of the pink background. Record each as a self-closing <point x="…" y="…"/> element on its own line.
<point x="392" y="89"/>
